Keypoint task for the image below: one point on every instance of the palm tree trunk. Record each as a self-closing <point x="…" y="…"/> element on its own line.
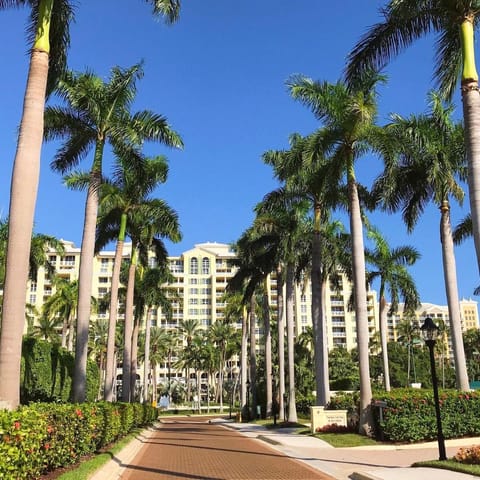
<point x="268" y="350"/>
<point x="451" y="286"/>
<point x="23" y="195"/>
<point x="146" y="365"/>
<point x="471" y="118"/>
<point x="290" y="294"/>
<point x="133" y="368"/>
<point x="253" y="359"/>
<point x="243" y="364"/>
<point x="112" y="320"/>
<point x="85" y="278"/>
<point x="383" y="339"/>
<point x="127" y="348"/>
<point x="71" y="330"/>
<point x="360" y="296"/>
<point x="281" y="344"/>
<point x="64" y="332"/>
<point x="319" y="324"/>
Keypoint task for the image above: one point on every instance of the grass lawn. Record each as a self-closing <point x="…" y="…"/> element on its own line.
<point x="451" y="465"/>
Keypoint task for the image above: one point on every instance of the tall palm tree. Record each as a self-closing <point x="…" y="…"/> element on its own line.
<point x="219" y="334"/>
<point x="150" y="292"/>
<point x="349" y="117"/>
<point x="187" y="328"/>
<point x="389" y="266"/>
<point x="427" y="162"/>
<point x="49" y="35"/>
<point x="95" y="113"/>
<point x="454" y="23"/>
<point x="304" y="169"/>
<point x="129" y="191"/>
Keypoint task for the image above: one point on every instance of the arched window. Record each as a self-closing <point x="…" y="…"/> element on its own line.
<point x="205" y="266"/>
<point x="194" y="266"/>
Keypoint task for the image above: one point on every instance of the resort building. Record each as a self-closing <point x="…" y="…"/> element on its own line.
<point x="201" y="275"/>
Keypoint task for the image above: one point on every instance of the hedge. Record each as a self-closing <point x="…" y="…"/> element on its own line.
<point x="410" y="415"/>
<point x="47" y="372"/>
<point x="41" y="437"/>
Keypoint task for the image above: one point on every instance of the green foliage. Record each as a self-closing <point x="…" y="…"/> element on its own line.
<point x="47" y="372"/>
<point x="410" y="415"/>
<point x="343" y="370"/>
<point x="44" y="436"/>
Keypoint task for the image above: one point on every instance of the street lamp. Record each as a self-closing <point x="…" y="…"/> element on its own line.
<point x="430" y="333"/>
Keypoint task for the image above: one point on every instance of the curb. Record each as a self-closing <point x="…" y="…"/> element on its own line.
<point x="113" y="469"/>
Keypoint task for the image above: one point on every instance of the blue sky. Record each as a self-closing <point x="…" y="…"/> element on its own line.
<point x="219" y="75"/>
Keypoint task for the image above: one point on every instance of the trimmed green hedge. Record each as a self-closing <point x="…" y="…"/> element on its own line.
<point x="410" y="415"/>
<point x="41" y="437"/>
<point x="47" y="372"/>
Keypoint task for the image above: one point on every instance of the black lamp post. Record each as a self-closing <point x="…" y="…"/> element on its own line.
<point x="430" y="333"/>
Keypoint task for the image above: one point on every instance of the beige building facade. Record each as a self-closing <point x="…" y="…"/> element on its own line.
<point x="201" y="276"/>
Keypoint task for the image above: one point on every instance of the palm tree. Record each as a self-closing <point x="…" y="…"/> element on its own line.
<point x="50" y="35"/>
<point x="304" y="169"/>
<point x="428" y="158"/>
<point x="47" y="329"/>
<point x="390" y="268"/>
<point x="348" y="116"/>
<point x="96" y="113"/>
<point x="49" y="31"/>
<point x="219" y="334"/>
<point x="405" y="21"/>
<point x="151" y="292"/>
<point x="409" y="335"/>
<point x="187" y="328"/>
<point x="127" y="193"/>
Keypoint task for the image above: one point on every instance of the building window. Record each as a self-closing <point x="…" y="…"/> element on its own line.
<point x="193" y="266"/>
<point x="104" y="265"/>
<point x="33" y="287"/>
<point x="206" y="281"/>
<point x="176" y="266"/>
<point x="69" y="260"/>
<point x="102" y="292"/>
<point x="193" y="301"/>
<point x="33" y="299"/>
<point x="194" y="291"/>
<point x="206" y="291"/>
<point x="205" y="266"/>
<point x="193" y="281"/>
<point x="53" y="260"/>
<point x="102" y="279"/>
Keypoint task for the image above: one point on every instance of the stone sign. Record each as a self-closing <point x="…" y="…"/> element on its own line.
<point x="320" y="417"/>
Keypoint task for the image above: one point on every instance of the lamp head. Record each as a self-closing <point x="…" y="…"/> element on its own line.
<point x="429" y="330"/>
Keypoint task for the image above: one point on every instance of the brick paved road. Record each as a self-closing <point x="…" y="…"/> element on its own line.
<point x="194" y="449"/>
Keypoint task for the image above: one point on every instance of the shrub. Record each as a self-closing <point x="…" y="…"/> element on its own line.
<point x="334" y="428"/>
<point x="47" y="372"/>
<point x="410" y="415"/>
<point x="469" y="455"/>
<point x="44" y="436"/>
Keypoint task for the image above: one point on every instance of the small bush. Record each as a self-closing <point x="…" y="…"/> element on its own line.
<point x="334" y="428"/>
<point x="470" y="455"/>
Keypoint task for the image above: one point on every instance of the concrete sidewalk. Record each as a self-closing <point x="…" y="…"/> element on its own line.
<point x="383" y="462"/>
